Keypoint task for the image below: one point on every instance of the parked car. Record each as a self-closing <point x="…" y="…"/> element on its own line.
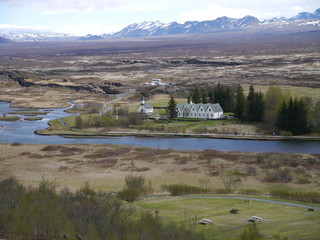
<point x="234" y="211"/>
<point x="205" y="221"/>
<point x="255" y="219"/>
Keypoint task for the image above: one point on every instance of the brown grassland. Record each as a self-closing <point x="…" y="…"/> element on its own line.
<point x="105" y="166"/>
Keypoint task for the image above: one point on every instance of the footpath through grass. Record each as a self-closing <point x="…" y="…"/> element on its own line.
<point x="288" y="221"/>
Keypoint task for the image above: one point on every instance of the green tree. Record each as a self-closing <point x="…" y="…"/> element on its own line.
<point x="259" y="107"/>
<point x="251" y="232"/>
<point x="301" y="119"/>
<point x="196" y="98"/>
<point x="240" y="103"/>
<point x="293" y="117"/>
<point x="204" y="96"/>
<point x="172" y="108"/>
<point x="255" y="105"/>
<point x="211" y="96"/>
<point x="315" y="116"/>
<point x="79" y="122"/>
<point x="282" y="119"/>
<point x="224" y="96"/>
<point x="135" y="187"/>
<point x="250" y="109"/>
<point x="274" y="98"/>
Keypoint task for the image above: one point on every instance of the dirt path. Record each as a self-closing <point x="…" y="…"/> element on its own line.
<point x="106" y="108"/>
<point x="256" y="199"/>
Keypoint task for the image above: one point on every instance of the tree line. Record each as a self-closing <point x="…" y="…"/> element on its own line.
<point x="274" y="108"/>
<point x="41" y="214"/>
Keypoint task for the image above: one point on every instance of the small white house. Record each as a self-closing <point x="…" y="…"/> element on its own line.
<point x="156" y="82"/>
<point x="145" y="107"/>
<point x="202" y="111"/>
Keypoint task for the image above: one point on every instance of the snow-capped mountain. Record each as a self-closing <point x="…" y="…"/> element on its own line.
<point x="146" y="29"/>
<point x="150" y="29"/>
<point x="5" y="40"/>
<point x="32" y="35"/>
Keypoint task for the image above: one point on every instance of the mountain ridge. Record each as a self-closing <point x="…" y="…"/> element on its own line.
<point x="157" y="29"/>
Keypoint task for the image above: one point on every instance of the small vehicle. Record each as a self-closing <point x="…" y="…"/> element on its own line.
<point x="205" y="221"/>
<point x="234" y="211"/>
<point x="255" y="219"/>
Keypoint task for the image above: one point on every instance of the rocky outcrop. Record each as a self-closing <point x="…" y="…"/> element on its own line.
<point x="215" y="63"/>
<point x="107" y="88"/>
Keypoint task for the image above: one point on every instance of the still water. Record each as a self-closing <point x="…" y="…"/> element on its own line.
<point x="22" y="131"/>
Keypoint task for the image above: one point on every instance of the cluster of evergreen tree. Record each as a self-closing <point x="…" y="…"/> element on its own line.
<point x="41" y="213"/>
<point x="275" y="108"/>
<point x="255" y="106"/>
<point x="292" y="116"/>
<point x="221" y="94"/>
<point x="233" y="100"/>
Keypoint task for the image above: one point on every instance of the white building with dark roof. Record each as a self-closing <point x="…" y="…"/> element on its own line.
<point x="199" y="110"/>
<point x="145" y="107"/>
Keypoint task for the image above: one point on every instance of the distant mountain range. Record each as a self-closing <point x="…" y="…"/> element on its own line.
<point x="151" y="29"/>
<point x="32" y="35"/>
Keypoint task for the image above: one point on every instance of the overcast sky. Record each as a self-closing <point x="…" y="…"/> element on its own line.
<point x="105" y="16"/>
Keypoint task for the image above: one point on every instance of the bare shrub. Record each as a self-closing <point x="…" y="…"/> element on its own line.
<point x="16" y="144"/>
<point x="135" y="188"/>
<point x="303" y="181"/>
<point x="129" y="194"/>
<point x="38" y="156"/>
<point x="283" y="175"/>
<point x="183" y="189"/>
<point x="181" y="160"/>
<point x="63" y="168"/>
<point x="250" y="170"/>
<point x="193" y="170"/>
<point x="71" y="150"/>
<point x="250" y="192"/>
<point x="25" y="154"/>
<point x="135" y="182"/>
<point x="294" y="164"/>
<point x="53" y="148"/>
<point x="142" y="169"/>
<point x="222" y="191"/>
<point x="106" y="163"/>
<point x="231" y="182"/>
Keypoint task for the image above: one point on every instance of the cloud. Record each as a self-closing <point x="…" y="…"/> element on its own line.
<point x="262" y="9"/>
<point x="191" y="7"/>
<point x="58" y="6"/>
<point x="212" y="11"/>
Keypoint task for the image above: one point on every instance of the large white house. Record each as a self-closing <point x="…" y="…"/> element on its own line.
<point x="145" y="107"/>
<point x="203" y="111"/>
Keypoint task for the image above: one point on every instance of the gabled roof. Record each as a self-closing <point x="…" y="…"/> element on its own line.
<point x="215" y="107"/>
<point x="147" y="105"/>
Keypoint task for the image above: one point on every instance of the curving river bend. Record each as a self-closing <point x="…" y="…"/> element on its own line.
<point x="22" y="131"/>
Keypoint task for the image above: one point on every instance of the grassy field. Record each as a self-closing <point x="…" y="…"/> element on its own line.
<point x="299" y="92"/>
<point x="288" y="221"/>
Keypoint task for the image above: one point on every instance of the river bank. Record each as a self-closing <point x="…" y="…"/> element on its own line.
<point x="75" y="133"/>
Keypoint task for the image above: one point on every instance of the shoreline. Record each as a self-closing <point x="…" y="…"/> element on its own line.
<point x="182" y="135"/>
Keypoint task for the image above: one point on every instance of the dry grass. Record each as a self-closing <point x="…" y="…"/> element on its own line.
<point x="105" y="166"/>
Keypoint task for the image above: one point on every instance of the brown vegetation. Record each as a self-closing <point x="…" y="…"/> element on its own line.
<point x="106" y="165"/>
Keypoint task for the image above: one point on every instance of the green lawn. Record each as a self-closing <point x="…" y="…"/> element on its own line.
<point x="313" y="93"/>
<point x="291" y="222"/>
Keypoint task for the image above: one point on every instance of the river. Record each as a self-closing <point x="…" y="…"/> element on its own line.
<point x="22" y="131"/>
